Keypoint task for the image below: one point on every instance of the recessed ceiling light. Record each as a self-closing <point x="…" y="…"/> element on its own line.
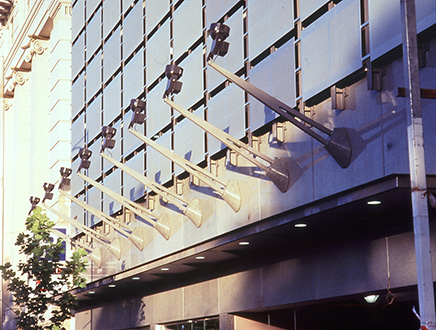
<point x="112" y="285"/>
<point x="200" y="258"/>
<point x="136" y="278"/>
<point x="300" y="225"/>
<point x="91" y="292"/>
<point x="165" y="269"/>
<point x="371" y="299"/>
<point x="244" y="243"/>
<point x="374" y="202"/>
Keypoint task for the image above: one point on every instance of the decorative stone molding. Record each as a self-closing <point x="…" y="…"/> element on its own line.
<point x="17" y="78"/>
<point x="7" y="104"/>
<point x="37" y="45"/>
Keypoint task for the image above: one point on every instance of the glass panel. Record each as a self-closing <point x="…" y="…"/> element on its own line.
<point x="76" y="182"/>
<point x="113" y="182"/>
<point x="226" y="112"/>
<point x="112" y="100"/>
<point x="158" y="112"/>
<point x="158" y="53"/>
<point x="133" y="78"/>
<point x="192" y="89"/>
<point x="159" y="166"/>
<point x="78" y="18"/>
<point x="94" y="171"/>
<point x="91" y="5"/>
<point x="330" y="48"/>
<point x="116" y="151"/>
<point x="93" y="118"/>
<point x="111" y="15"/>
<point x="268" y="76"/>
<point x="78" y="56"/>
<point x="234" y="60"/>
<point x="187" y="26"/>
<point x="78" y="95"/>
<point x="307" y="8"/>
<point x="111" y="55"/>
<point x="215" y="9"/>
<point x="77" y="134"/>
<point x="131" y="142"/>
<point x="155" y="10"/>
<point x="93" y="35"/>
<point x="133" y="29"/>
<point x="189" y="140"/>
<point x="93" y="77"/>
<point x="133" y="189"/>
<point x="268" y="20"/>
<point x="76" y="211"/>
<point x="385" y="23"/>
<point x="93" y="199"/>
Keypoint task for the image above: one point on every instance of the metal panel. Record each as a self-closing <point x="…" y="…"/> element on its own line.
<point x="189" y="140"/>
<point x="158" y="53"/>
<point x="158" y="112"/>
<point x="331" y="48"/>
<point x="155" y="10"/>
<point x="132" y="188"/>
<point x="78" y="95"/>
<point x="112" y="100"/>
<point x="91" y="5"/>
<point x="93" y="118"/>
<point x="268" y="20"/>
<point x="385" y="23"/>
<point x="268" y="76"/>
<point x="192" y="90"/>
<point x="113" y="182"/>
<point x="93" y="77"/>
<point x="116" y="151"/>
<point x="234" y="60"/>
<point x="111" y="15"/>
<point x="226" y="111"/>
<point x="187" y="26"/>
<point x="93" y="35"/>
<point x="307" y="8"/>
<point x="111" y="55"/>
<point x="215" y="9"/>
<point x="78" y="55"/>
<point x="93" y="198"/>
<point x="78" y="18"/>
<point x="158" y="166"/>
<point x="77" y="134"/>
<point x="133" y="29"/>
<point x="94" y="171"/>
<point x="133" y="78"/>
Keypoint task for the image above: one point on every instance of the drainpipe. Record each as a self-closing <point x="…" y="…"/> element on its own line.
<point x="417" y="167"/>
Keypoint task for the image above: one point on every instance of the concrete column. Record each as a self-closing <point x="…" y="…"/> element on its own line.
<point x="227" y="322"/>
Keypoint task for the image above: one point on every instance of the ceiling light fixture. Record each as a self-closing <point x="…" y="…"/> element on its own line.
<point x="373" y="202"/>
<point x="244" y="243"/>
<point x="300" y="225"/>
<point x="371" y="299"/>
<point x="136" y="278"/>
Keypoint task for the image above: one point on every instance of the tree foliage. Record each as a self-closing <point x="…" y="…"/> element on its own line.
<point x="43" y="281"/>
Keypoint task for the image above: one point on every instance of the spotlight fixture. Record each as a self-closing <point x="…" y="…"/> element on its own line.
<point x="65" y="181"/>
<point x="219" y="32"/>
<point x="108" y="133"/>
<point x="84" y="155"/>
<point x="48" y="188"/>
<point x="173" y="73"/>
<point x="34" y="201"/>
<point x="138" y="107"/>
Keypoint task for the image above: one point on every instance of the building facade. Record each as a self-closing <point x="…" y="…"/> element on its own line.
<point x="232" y="215"/>
<point x="35" y="51"/>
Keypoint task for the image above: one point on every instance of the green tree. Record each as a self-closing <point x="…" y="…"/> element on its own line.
<point x="43" y="280"/>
